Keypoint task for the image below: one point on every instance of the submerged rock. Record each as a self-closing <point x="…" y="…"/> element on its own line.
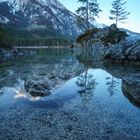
<point x="131" y="88"/>
<point x="38" y="88"/>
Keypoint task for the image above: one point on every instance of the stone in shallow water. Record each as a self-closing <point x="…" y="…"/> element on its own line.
<point x="131" y="88"/>
<point x="38" y="88"/>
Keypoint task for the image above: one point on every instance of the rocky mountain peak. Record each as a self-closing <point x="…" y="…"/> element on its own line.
<point x="36" y="14"/>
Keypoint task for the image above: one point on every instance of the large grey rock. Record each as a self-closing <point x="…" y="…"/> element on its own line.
<point x="122" y="52"/>
<point x="133" y="53"/>
<point x="106" y="30"/>
<point x="129" y="41"/>
<point x="116" y="52"/>
<point x="127" y="50"/>
<point x="98" y="50"/>
<point x="101" y="33"/>
<point x="38" y="88"/>
<point x="113" y="27"/>
<point x="131" y="88"/>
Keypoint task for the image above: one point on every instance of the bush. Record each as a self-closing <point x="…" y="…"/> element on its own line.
<point x="3" y="34"/>
<point x="138" y="41"/>
<point x="114" y="37"/>
<point x="87" y="35"/>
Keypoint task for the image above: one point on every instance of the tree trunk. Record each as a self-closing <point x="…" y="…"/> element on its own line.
<point x="87" y="5"/>
<point x="116" y="21"/>
<point x="117" y="17"/>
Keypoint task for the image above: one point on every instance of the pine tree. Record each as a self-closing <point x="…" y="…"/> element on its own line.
<point x="3" y="34"/>
<point x="87" y="12"/>
<point x="119" y="11"/>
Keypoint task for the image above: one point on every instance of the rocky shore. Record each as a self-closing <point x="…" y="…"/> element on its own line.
<point x="122" y="53"/>
<point x="131" y="88"/>
<point x="112" y="44"/>
<point x="7" y="51"/>
<point x="125" y="50"/>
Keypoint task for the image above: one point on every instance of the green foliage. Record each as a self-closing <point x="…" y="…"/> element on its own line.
<point x="87" y="12"/>
<point x="138" y="41"/>
<point x="3" y="34"/>
<point x="24" y="33"/>
<point x="22" y="37"/>
<point x="87" y="35"/>
<point x="112" y="85"/>
<point x="48" y="41"/>
<point x="118" y="11"/>
<point x="114" y="37"/>
<point x="38" y="33"/>
<point x="87" y="84"/>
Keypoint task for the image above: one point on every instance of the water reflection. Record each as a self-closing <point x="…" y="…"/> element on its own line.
<point x="86" y="81"/>
<point x="132" y="98"/>
<point x="59" y="66"/>
<point x="131" y="89"/>
<point x="87" y="84"/>
<point x="116" y="74"/>
<point x="29" y="75"/>
<point x="112" y="85"/>
<point x="2" y="91"/>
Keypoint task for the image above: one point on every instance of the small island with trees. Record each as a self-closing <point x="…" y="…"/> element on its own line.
<point x="114" y="43"/>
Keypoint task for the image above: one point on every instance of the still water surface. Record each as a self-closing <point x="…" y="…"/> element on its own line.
<point x="87" y="103"/>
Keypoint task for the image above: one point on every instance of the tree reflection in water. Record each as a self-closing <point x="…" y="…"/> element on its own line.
<point x="112" y="85"/>
<point x="87" y="84"/>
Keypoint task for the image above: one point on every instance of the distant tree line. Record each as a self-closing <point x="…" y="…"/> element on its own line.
<point x="3" y="34"/>
<point x="19" y="37"/>
<point x="49" y="41"/>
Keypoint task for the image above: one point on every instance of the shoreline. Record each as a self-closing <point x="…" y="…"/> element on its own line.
<point x="39" y="47"/>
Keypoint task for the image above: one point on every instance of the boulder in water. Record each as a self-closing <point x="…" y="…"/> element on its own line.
<point x="131" y="88"/>
<point x="38" y="88"/>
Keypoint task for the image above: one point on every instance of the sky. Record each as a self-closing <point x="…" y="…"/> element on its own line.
<point x="132" y="6"/>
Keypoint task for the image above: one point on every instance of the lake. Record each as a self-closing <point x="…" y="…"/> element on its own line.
<point x="87" y="101"/>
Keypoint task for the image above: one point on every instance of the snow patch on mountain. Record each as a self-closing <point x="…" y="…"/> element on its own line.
<point x="132" y="36"/>
<point x="39" y="13"/>
<point x="4" y="20"/>
<point x="48" y="15"/>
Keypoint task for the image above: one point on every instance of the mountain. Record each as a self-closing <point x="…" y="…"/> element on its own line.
<point x="47" y="17"/>
<point x="98" y="25"/>
<point x="132" y="36"/>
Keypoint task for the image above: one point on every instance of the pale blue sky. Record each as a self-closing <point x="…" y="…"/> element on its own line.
<point x="133" y="6"/>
